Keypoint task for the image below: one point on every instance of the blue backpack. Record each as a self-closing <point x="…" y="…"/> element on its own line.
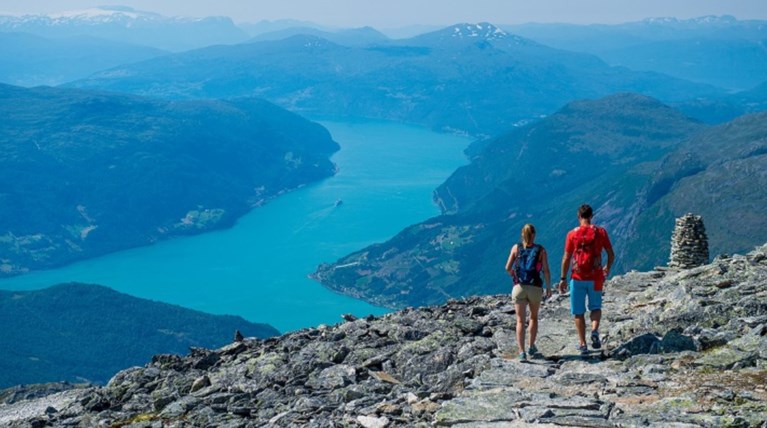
<point x="527" y="266"/>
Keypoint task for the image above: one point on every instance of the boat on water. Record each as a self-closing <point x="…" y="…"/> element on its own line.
<point x="339" y="202"/>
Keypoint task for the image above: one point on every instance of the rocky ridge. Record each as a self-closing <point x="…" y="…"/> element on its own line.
<point x="682" y="348"/>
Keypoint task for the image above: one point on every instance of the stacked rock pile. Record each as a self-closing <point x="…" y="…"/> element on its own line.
<point x="689" y="243"/>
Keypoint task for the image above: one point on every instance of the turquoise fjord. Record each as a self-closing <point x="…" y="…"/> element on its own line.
<point x="258" y="269"/>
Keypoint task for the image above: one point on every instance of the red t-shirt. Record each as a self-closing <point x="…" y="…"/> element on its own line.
<point x="602" y="242"/>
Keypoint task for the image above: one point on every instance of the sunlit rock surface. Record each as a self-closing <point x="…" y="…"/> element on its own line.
<point x="680" y="348"/>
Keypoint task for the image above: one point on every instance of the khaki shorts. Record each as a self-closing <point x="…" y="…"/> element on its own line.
<point x="526" y="293"/>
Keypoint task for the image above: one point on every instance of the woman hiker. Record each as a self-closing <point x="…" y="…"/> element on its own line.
<point x="526" y="261"/>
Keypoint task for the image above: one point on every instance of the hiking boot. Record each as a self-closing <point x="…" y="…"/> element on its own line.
<point x="532" y="350"/>
<point x="595" y="342"/>
<point x="583" y="349"/>
<point x="522" y="356"/>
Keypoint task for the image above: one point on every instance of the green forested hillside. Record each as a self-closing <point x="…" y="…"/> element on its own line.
<point x="638" y="162"/>
<point x="720" y="174"/>
<point x="83" y="173"/>
<point x="86" y="333"/>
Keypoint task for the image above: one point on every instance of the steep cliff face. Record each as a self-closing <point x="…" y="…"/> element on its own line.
<point x="681" y="347"/>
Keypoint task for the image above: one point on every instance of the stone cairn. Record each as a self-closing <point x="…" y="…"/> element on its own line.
<point x="689" y="243"/>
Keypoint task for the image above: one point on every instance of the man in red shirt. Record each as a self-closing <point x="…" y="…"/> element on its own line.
<point x="583" y="251"/>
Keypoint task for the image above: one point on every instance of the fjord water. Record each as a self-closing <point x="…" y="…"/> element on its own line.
<point x="258" y="268"/>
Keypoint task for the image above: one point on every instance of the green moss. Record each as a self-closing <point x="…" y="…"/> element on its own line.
<point x="360" y="355"/>
<point x="142" y="417"/>
<point x="426" y="345"/>
<point x="722" y="358"/>
<point x="264" y="365"/>
<point x="734" y="422"/>
<point x="680" y="403"/>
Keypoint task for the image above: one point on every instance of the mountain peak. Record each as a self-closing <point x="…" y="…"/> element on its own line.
<point x="482" y="30"/>
<point x="473" y="33"/>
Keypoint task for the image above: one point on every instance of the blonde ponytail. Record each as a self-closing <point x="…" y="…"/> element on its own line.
<point x="528" y="234"/>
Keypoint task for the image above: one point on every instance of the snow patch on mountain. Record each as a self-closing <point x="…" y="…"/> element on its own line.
<point x="128" y="25"/>
<point x="93" y="16"/>
<point x="95" y="13"/>
<point x="483" y="31"/>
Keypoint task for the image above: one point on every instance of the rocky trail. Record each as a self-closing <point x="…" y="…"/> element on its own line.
<point x="681" y="348"/>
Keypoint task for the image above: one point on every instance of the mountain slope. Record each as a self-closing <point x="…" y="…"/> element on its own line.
<point x="265" y="26"/>
<point x="77" y="332"/>
<point x="346" y="37"/>
<point x="29" y="60"/>
<point x="610" y="153"/>
<point x="717" y="110"/>
<point x="721" y="175"/>
<point x="84" y="173"/>
<point x="473" y="78"/>
<point x="731" y="64"/>
<point x="597" y="38"/>
<point x="721" y="51"/>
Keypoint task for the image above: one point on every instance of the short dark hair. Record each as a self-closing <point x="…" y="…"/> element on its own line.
<point x="585" y="211"/>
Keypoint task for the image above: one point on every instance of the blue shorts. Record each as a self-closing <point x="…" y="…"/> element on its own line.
<point x="579" y="290"/>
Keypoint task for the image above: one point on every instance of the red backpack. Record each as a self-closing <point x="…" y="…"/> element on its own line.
<point x="587" y="258"/>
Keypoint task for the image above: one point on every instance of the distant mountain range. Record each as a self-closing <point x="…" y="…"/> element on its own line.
<point x="266" y="26"/>
<point x="718" y="50"/>
<point x="127" y="25"/>
<point x="472" y="78"/>
<point x="86" y="333"/>
<point x="721" y="51"/>
<point x="363" y="36"/>
<point x="84" y="173"/>
<point x="606" y="37"/>
<point x="638" y="162"/>
<point x="725" y="108"/>
<point x="30" y="60"/>
<point x="732" y="64"/>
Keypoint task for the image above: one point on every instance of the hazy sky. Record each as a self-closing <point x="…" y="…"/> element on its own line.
<point x="395" y="13"/>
